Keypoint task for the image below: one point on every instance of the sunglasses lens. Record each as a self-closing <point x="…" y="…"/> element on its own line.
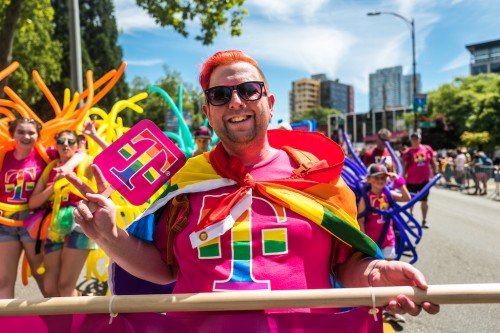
<point x="61" y="141"/>
<point x="219" y="95"/>
<point x="250" y="91"/>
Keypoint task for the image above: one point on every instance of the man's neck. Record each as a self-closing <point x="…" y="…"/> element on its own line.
<point x="252" y="154"/>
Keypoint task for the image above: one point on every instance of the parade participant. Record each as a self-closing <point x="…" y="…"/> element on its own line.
<point x="380" y="151"/>
<point x="276" y="243"/>
<point x="20" y="170"/>
<point x="418" y="160"/>
<point x="90" y="131"/>
<point x="374" y="224"/>
<point x="202" y="139"/>
<point x="460" y="162"/>
<point x="66" y="247"/>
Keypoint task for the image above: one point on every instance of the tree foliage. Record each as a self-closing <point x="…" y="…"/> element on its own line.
<point x="320" y="114"/>
<point x="470" y="104"/>
<point x="212" y="15"/>
<point x="99" y="44"/>
<point x="33" y="48"/>
<point x="475" y="140"/>
<point x="156" y="108"/>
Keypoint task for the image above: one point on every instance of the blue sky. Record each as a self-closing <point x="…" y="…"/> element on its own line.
<point x="294" y="39"/>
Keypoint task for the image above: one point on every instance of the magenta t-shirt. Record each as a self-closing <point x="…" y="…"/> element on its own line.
<point x="374" y="222"/>
<point x="418" y="161"/>
<point x="269" y="248"/>
<point x="18" y="177"/>
<point x="70" y="200"/>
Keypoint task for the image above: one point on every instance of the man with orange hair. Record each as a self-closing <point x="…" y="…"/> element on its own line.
<point x="264" y="210"/>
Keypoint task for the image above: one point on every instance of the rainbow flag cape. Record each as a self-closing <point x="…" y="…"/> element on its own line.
<point x="319" y="195"/>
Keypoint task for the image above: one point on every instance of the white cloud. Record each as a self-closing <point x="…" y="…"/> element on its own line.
<point x="463" y="59"/>
<point x="130" y="17"/>
<point x="279" y="10"/>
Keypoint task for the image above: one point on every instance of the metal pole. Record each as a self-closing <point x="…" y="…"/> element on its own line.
<point x="75" y="47"/>
<point x="414" y="73"/>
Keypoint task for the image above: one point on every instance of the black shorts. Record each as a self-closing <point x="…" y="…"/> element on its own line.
<point x="415" y="188"/>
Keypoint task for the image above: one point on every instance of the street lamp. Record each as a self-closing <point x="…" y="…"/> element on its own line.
<point x="411" y="26"/>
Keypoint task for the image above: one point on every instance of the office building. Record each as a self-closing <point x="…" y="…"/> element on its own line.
<point x="319" y="91"/>
<point x="389" y="88"/>
<point x="305" y="95"/>
<point x="485" y="57"/>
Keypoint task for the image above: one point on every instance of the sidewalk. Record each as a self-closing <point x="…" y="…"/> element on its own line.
<point x="493" y="188"/>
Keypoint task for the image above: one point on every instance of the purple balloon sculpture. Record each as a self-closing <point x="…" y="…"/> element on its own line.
<point x="410" y="231"/>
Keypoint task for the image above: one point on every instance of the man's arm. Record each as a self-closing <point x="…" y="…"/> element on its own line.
<point x="97" y="218"/>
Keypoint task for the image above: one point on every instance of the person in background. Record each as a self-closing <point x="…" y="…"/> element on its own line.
<point x="373" y="223"/>
<point x="286" y="126"/>
<point x="418" y="161"/>
<point x="90" y="131"/>
<point x="380" y="151"/>
<point x="20" y="169"/>
<point x="239" y="105"/>
<point x="460" y="162"/>
<point x="66" y="247"/>
<point x="202" y="139"/>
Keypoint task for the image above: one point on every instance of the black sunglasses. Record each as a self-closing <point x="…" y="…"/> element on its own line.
<point x="249" y="91"/>
<point x="61" y="141"/>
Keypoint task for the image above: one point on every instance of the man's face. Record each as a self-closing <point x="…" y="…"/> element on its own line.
<point x="239" y="122"/>
<point x="415" y="140"/>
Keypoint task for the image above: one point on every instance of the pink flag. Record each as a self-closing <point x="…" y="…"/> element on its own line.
<point x="140" y="162"/>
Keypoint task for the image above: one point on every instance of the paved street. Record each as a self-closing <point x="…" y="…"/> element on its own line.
<point x="460" y="247"/>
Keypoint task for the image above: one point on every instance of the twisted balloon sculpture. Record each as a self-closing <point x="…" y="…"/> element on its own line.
<point x="183" y="137"/>
<point x="410" y="232"/>
<point x="71" y="116"/>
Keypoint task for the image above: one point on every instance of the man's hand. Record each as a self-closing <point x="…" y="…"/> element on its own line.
<point x="97" y="215"/>
<point x="384" y="273"/>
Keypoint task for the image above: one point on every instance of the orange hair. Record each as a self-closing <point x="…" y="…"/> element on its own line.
<point x="224" y="58"/>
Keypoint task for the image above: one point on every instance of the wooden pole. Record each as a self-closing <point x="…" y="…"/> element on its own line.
<point x="250" y="300"/>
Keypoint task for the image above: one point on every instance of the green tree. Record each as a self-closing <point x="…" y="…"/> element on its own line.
<point x="320" y="114"/>
<point x="156" y="108"/>
<point x="99" y="45"/>
<point x="212" y="15"/>
<point x="470" y="104"/>
<point x="475" y="140"/>
<point x="33" y="47"/>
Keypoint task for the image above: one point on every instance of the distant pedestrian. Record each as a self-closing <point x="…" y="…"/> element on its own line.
<point x="380" y="152"/>
<point x="202" y="139"/>
<point x="418" y="162"/>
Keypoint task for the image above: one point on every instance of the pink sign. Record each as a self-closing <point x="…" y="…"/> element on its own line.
<point x="140" y="162"/>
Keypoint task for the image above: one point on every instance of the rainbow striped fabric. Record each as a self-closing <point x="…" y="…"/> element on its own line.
<point x="319" y="195"/>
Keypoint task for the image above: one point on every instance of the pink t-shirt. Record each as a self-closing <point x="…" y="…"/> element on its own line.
<point x="18" y="177"/>
<point x="66" y="201"/>
<point x="374" y="223"/>
<point x="418" y="163"/>
<point x="269" y="248"/>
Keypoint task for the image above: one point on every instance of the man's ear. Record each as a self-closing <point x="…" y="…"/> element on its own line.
<point x="270" y="101"/>
<point x="205" y="108"/>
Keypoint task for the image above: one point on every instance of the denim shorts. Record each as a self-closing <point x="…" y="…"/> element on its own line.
<point x="75" y="240"/>
<point x="9" y="234"/>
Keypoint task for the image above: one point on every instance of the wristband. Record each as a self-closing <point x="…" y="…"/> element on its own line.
<point x="400" y="182"/>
